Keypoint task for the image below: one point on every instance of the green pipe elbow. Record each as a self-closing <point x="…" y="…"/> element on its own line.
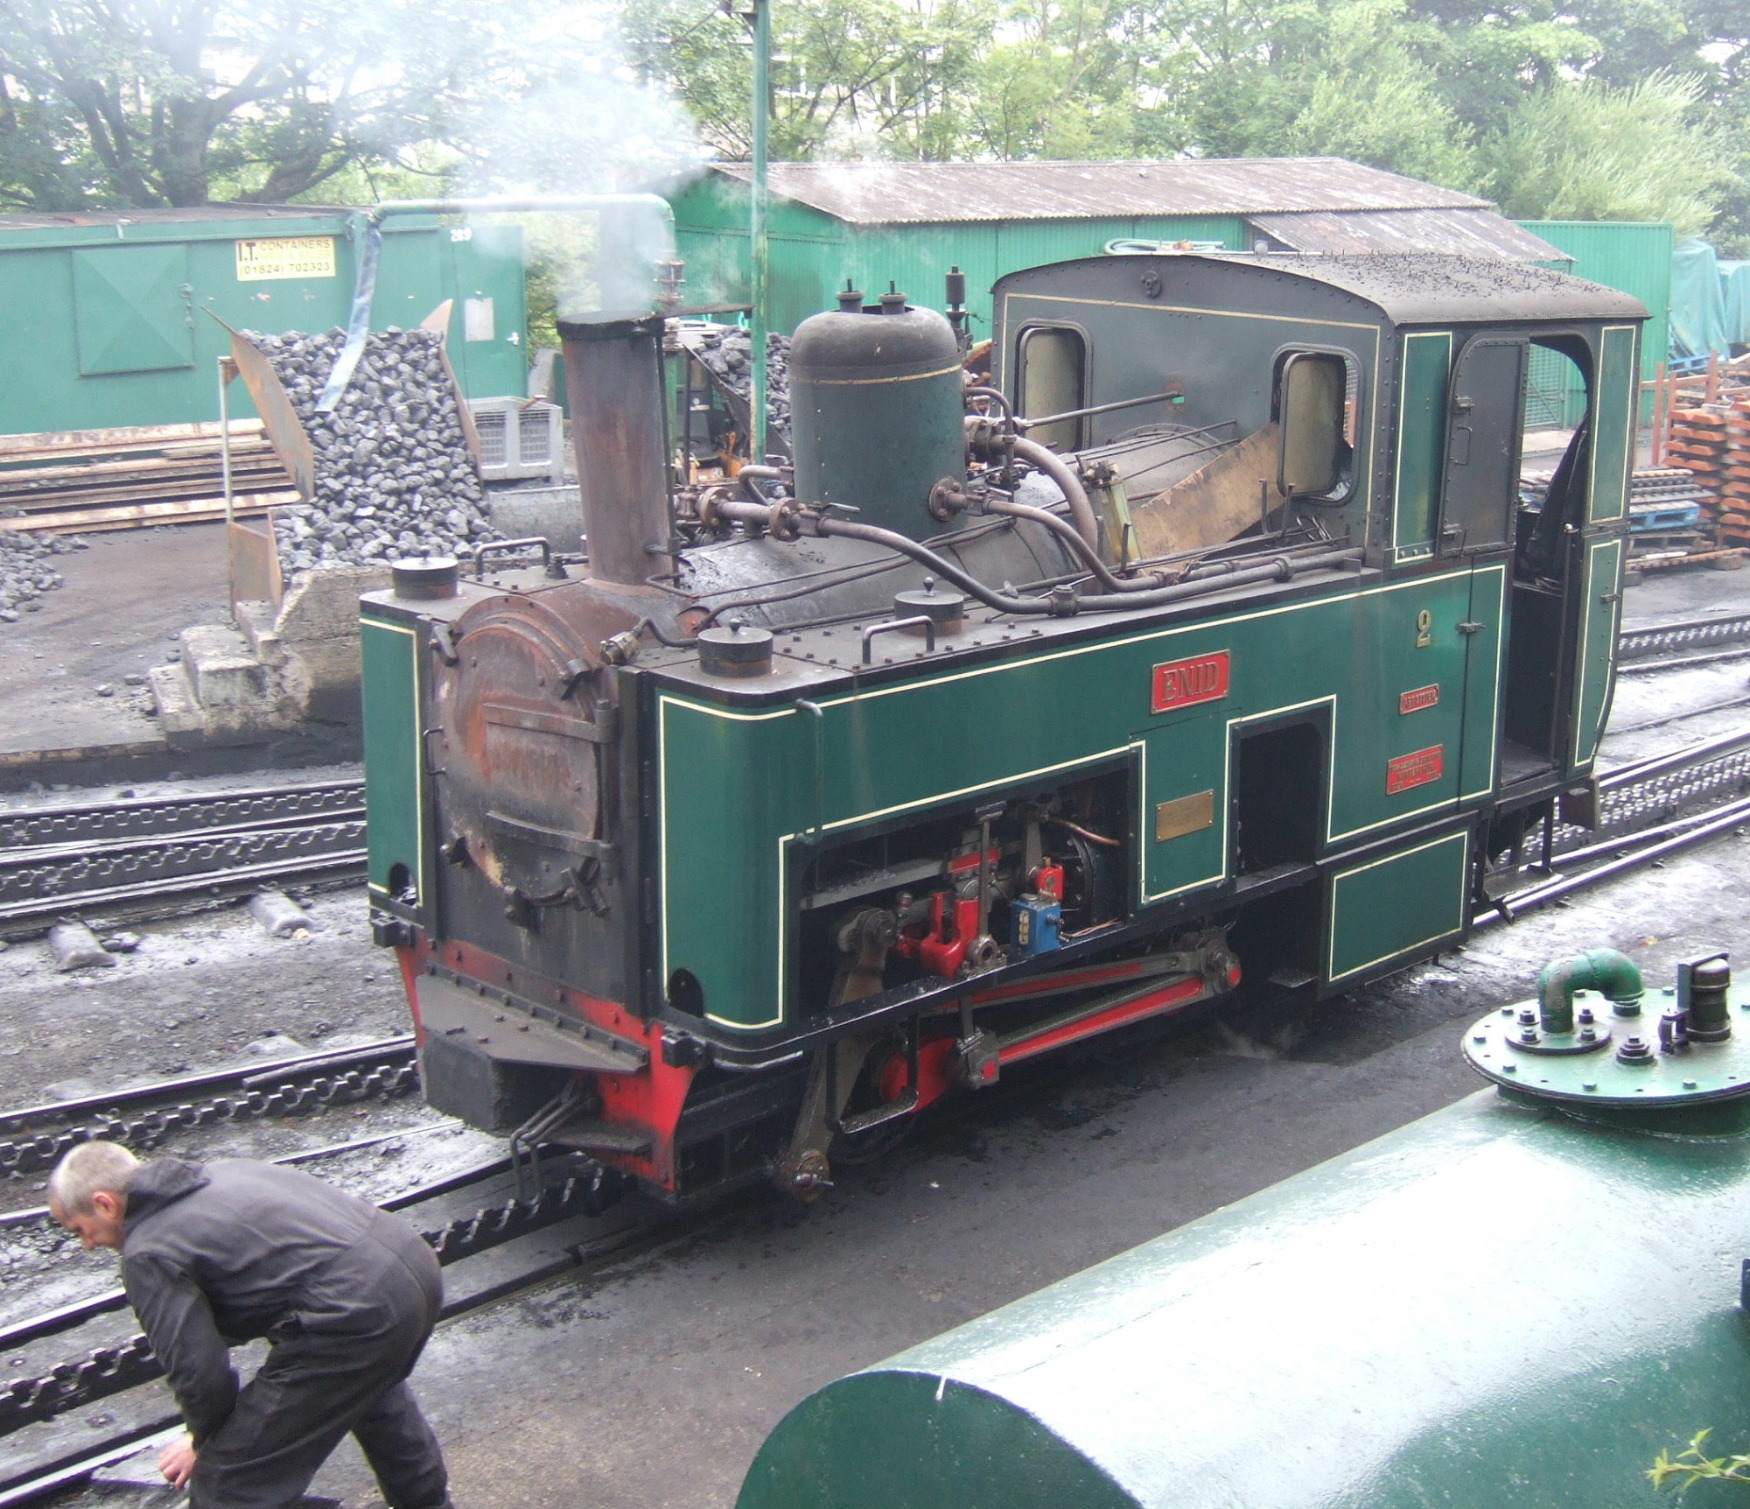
<point x="1602" y="969"/>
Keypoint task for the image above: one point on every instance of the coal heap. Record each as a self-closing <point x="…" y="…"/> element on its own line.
<point x="394" y="476"/>
<point x="724" y="349"/>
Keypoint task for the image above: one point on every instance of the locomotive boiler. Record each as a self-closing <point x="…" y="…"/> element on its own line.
<point x="1208" y="636"/>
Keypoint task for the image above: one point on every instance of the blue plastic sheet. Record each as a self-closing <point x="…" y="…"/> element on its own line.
<point x="1698" y="304"/>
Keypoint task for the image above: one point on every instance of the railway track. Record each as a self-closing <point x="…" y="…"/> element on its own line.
<point x="142" y="858"/>
<point x="33" y="1138"/>
<point x="1683" y="643"/>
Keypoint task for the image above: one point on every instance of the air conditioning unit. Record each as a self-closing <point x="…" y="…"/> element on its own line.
<point x="519" y="438"/>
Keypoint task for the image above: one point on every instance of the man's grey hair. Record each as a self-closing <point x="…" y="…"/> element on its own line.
<point x="90" y="1167"/>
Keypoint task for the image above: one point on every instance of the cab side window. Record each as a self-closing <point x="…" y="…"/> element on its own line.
<point x="1052" y="366"/>
<point x="1315" y="456"/>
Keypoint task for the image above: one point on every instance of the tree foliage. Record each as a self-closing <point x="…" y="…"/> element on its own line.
<point x="1572" y="108"/>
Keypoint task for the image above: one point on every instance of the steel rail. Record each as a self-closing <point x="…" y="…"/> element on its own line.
<point x="28" y="877"/>
<point x="1633" y="644"/>
<point x="135" y="817"/>
<point x="1689" y="755"/>
<point x="243" y="1075"/>
<point x="142" y="1118"/>
<point x="1511" y="907"/>
<point x="119" y="902"/>
<point x="14" y="858"/>
<point x="1658" y="666"/>
<point x="35" y="1214"/>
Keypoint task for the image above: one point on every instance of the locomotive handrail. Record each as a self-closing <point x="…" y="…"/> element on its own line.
<point x="923" y="621"/>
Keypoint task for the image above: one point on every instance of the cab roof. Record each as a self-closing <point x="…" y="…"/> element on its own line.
<point x="1422" y="288"/>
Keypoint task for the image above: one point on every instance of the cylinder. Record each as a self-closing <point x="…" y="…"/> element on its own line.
<point x="876" y="412"/>
<point x="613" y="378"/>
<point x="735" y="651"/>
<point x="1709" y="1014"/>
<point x="1494" y="1307"/>
<point x="424" y="577"/>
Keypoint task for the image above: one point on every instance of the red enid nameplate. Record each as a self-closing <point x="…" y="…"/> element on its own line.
<point x="1414" y="702"/>
<point x="1203" y="678"/>
<point x="1416" y="769"/>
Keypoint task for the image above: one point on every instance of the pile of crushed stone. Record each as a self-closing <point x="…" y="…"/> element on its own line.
<point x="394" y="476"/>
<point x="25" y="572"/>
<point x="724" y="349"/>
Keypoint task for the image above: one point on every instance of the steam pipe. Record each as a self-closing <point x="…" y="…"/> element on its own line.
<point x="1068" y="483"/>
<point x="1066" y="532"/>
<point x="1000" y="398"/>
<point x="1063" y="603"/>
<point x="511" y="204"/>
<point x="1603" y="969"/>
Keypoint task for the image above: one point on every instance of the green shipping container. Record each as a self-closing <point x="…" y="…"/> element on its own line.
<point x="102" y="322"/>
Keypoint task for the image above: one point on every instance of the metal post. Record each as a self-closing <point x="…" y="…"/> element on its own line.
<point x="1659" y="406"/>
<point x="762" y="63"/>
<point x="225" y="433"/>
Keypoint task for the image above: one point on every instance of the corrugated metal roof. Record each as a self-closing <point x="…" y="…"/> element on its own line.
<point x="193" y="214"/>
<point x="199" y="214"/>
<point x="931" y="193"/>
<point x="1460" y="232"/>
<point x="1428" y="288"/>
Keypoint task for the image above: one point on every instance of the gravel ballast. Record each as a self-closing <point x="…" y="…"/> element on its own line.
<point x="394" y="476"/>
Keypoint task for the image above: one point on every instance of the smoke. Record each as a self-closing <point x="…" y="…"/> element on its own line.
<point x="586" y="126"/>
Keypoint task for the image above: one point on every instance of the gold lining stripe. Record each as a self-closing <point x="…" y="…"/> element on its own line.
<point x="875" y="382"/>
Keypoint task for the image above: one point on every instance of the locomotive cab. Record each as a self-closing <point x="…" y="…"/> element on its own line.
<point x="1208" y="638"/>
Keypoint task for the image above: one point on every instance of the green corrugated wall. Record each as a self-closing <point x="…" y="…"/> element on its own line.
<point x="97" y="337"/>
<point x="1632" y="256"/>
<point x="812" y="254"/>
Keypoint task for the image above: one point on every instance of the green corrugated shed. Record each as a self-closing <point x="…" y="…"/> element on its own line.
<point x="101" y="315"/>
<point x="908" y="223"/>
<point x="1632" y="256"/>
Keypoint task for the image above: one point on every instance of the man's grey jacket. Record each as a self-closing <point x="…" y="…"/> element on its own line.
<point x="221" y="1253"/>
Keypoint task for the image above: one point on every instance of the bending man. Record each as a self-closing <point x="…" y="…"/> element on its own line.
<point x="218" y="1254"/>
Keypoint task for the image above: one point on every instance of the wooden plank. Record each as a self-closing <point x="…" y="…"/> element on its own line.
<point x="1212" y="505"/>
<point x="58" y="442"/>
<point x="39" y="479"/>
<point x="190" y="452"/>
<point x="190" y="487"/>
<point x="140" y="515"/>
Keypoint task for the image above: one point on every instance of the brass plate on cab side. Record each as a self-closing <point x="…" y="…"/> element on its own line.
<point x="1188" y="814"/>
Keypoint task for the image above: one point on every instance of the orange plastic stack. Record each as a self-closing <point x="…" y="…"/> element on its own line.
<point x="1700" y="442"/>
<point x="1735" y="479"/>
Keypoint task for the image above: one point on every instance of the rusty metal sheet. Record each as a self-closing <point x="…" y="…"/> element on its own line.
<point x="915" y="193"/>
<point x="255" y="563"/>
<point x="285" y="432"/>
<point x="1473" y="232"/>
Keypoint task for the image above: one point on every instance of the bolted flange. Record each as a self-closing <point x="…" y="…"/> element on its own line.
<point x="1656" y="1072"/>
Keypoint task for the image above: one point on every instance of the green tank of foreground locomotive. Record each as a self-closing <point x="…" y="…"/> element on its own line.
<point x="1208" y="637"/>
<point x="1501" y="1306"/>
